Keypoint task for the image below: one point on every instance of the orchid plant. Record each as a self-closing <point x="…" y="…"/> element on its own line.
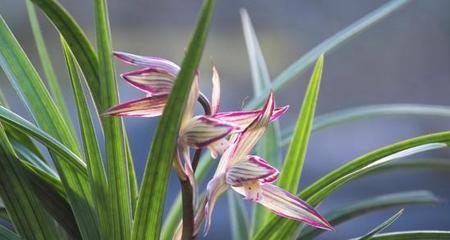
<point x="77" y="191"/>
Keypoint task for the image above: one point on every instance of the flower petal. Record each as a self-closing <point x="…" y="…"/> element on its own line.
<point x="150" y="80"/>
<point x="287" y="205"/>
<point x="252" y="168"/>
<point x="218" y="147"/>
<point x="203" y="130"/>
<point x="190" y="104"/>
<point x="215" y="188"/>
<point x="243" y="143"/>
<point x="244" y="118"/>
<point x="215" y="98"/>
<point x="145" y="107"/>
<point x="151" y="62"/>
<point x="246" y="140"/>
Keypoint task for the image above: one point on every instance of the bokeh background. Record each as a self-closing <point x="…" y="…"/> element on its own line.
<point x="402" y="59"/>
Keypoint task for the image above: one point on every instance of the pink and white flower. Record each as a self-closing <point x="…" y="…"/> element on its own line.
<point x="251" y="176"/>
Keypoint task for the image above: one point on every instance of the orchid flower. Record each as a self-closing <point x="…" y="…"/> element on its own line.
<point x="156" y="78"/>
<point x="251" y="176"/>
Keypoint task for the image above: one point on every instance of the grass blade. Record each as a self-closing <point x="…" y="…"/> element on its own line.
<point x="343" y="214"/>
<point x="15" y="121"/>
<point x="371" y="111"/>
<point x="382" y="226"/>
<point x="323" y="187"/>
<point x="30" y="88"/>
<point x="268" y="146"/>
<point x="147" y="226"/>
<point x="239" y="227"/>
<point x="78" y="42"/>
<point x="293" y="162"/>
<point x="117" y="173"/>
<point x="7" y="234"/>
<point x="94" y="162"/>
<point x="332" y="42"/>
<point x="414" y="235"/>
<point x="30" y="220"/>
<point x="50" y="75"/>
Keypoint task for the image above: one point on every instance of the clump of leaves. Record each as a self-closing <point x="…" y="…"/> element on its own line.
<point x="85" y="197"/>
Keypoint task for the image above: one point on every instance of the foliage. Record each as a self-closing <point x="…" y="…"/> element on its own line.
<point x="89" y="194"/>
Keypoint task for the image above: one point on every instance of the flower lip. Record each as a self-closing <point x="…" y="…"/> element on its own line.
<point x="204" y="130"/>
<point x="253" y="168"/>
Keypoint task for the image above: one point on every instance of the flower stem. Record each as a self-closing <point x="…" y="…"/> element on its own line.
<point x="188" y="210"/>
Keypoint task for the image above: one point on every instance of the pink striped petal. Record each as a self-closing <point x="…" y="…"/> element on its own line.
<point x="145" y="107"/>
<point x="244" y="118"/>
<point x="215" y="188"/>
<point x="151" y="62"/>
<point x="150" y="80"/>
<point x="203" y="130"/>
<point x="215" y="98"/>
<point x="243" y="143"/>
<point x="287" y="205"/>
<point x="218" y="147"/>
<point x="188" y="113"/>
<point x="252" y="168"/>
<point x="246" y="140"/>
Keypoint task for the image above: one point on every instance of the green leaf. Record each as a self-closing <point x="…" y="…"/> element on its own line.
<point x="268" y="146"/>
<point x="30" y="88"/>
<point x="322" y="188"/>
<point x="260" y="73"/>
<point x="382" y="226"/>
<point x="329" y="44"/>
<point x="50" y="75"/>
<point x="240" y="225"/>
<point x="78" y="42"/>
<point x="293" y="162"/>
<point x="7" y="234"/>
<point x="50" y="192"/>
<point x="354" y="210"/>
<point x="162" y="153"/>
<point x="16" y="122"/>
<point x="29" y="218"/>
<point x="94" y="162"/>
<point x="371" y="111"/>
<point x="414" y="235"/>
<point x="117" y="173"/>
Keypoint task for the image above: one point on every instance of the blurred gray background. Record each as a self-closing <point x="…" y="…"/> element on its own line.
<point x="402" y="59"/>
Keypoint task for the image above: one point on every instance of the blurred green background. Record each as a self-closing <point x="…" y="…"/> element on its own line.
<point x="402" y="59"/>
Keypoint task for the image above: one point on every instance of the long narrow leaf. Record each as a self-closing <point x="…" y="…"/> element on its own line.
<point x="268" y="147"/>
<point x="7" y="234"/>
<point x="117" y="173"/>
<point x="382" y="226"/>
<point x="30" y="88"/>
<point x="30" y="220"/>
<point x="150" y="206"/>
<point x="24" y="126"/>
<point x="414" y="235"/>
<point x="293" y="162"/>
<point x="371" y="111"/>
<point x="77" y="41"/>
<point x="94" y="162"/>
<point x="50" y="75"/>
<point x="323" y="187"/>
<point x="354" y="210"/>
<point x="332" y="42"/>
<point x="240" y="225"/>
